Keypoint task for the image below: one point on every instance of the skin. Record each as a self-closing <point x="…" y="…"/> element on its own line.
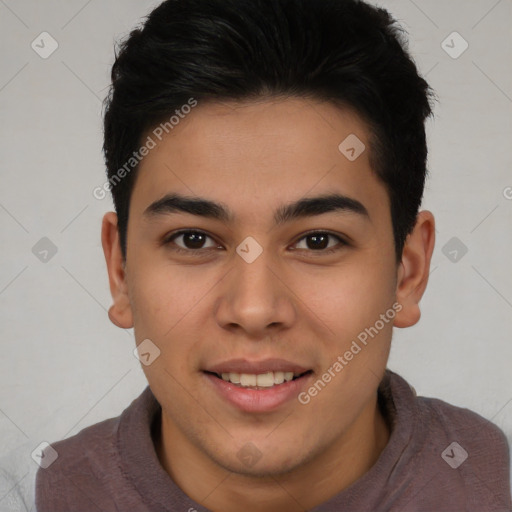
<point x="293" y="302"/>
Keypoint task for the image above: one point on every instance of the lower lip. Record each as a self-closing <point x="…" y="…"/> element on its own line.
<point x="262" y="400"/>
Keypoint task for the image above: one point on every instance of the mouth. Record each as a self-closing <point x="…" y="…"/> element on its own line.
<point x="257" y="387"/>
<point x="260" y="381"/>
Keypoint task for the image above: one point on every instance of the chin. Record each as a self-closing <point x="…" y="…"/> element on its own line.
<point x="255" y="463"/>
<point x="259" y="470"/>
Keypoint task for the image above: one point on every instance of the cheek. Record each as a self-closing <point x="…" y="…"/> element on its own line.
<point x="164" y="302"/>
<point x="162" y="295"/>
<point x="349" y="298"/>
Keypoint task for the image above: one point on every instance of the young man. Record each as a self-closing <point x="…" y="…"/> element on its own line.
<point x="267" y="160"/>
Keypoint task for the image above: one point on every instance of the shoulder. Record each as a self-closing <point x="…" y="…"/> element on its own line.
<point x="93" y="465"/>
<point x="463" y="456"/>
<point x="84" y="451"/>
<point x="482" y="435"/>
<point x="78" y="468"/>
<point x="442" y="421"/>
<point x="474" y="452"/>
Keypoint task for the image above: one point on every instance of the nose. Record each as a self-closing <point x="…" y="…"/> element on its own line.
<point x="255" y="298"/>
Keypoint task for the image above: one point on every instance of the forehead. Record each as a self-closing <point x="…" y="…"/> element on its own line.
<point x="253" y="154"/>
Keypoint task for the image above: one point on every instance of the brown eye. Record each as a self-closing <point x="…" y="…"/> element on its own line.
<point x="319" y="241"/>
<point x="191" y="240"/>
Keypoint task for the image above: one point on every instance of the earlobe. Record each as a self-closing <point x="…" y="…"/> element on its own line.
<point x="120" y="312"/>
<point x="414" y="269"/>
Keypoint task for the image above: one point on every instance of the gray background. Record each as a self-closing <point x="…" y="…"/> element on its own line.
<point x="64" y="366"/>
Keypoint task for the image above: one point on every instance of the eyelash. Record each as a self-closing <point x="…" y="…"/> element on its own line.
<point x="197" y="252"/>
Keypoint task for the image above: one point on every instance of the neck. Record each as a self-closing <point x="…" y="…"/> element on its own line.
<point x="332" y="471"/>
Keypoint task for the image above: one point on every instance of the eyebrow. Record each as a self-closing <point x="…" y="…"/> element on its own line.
<point x="305" y="207"/>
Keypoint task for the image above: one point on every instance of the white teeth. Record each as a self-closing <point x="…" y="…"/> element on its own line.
<point x="234" y="378"/>
<point x="247" y="379"/>
<point x="288" y="376"/>
<point x="264" y="380"/>
<point x="278" y="377"/>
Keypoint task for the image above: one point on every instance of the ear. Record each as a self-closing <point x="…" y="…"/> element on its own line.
<point x="120" y="313"/>
<point x="414" y="269"/>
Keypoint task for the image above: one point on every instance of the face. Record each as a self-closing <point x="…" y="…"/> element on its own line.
<point x="283" y="262"/>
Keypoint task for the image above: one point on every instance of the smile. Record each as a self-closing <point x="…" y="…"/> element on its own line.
<point x="259" y="381"/>
<point x="257" y="387"/>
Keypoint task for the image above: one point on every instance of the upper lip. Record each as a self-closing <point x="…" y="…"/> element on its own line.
<point x="256" y="367"/>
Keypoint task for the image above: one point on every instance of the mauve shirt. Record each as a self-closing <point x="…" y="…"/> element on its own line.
<point x="439" y="458"/>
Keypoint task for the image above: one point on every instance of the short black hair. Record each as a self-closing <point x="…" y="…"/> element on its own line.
<point x="343" y="51"/>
